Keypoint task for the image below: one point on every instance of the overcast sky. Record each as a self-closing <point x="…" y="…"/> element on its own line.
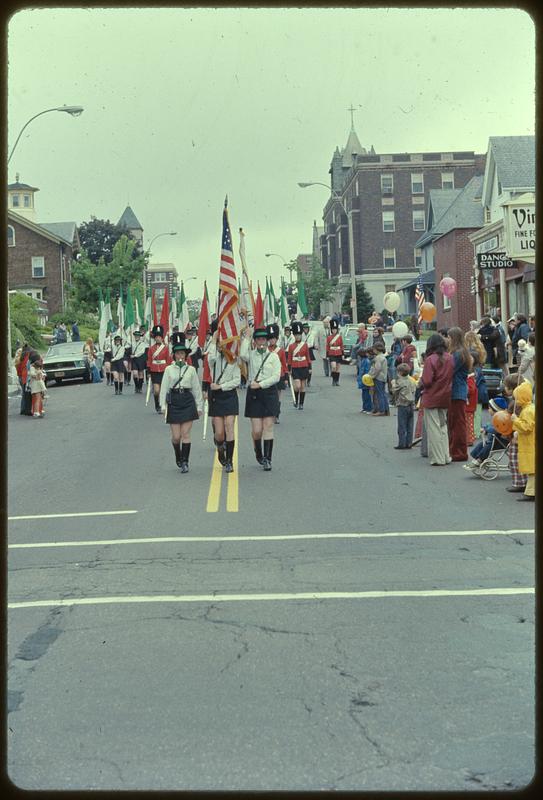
<point x="184" y="106"/>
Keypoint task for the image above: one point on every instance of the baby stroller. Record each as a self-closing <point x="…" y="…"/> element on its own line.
<point x="497" y="461"/>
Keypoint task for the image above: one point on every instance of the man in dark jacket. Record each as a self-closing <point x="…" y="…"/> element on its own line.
<point x="522" y="331"/>
<point x="490" y="337"/>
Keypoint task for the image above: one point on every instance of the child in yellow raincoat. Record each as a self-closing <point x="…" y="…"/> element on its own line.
<point x="524" y="427"/>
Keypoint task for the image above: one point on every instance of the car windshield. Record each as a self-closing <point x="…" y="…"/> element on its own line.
<point x="68" y="349"/>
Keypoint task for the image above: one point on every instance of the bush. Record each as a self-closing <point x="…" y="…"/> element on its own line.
<point x="23" y="311"/>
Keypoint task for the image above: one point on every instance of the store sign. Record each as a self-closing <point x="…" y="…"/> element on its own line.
<point x="495" y="261"/>
<point x="488" y="244"/>
<point x="520" y="230"/>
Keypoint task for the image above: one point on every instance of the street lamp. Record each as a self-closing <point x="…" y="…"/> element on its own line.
<point x="148" y="253"/>
<point x="73" y="111"/>
<point x="349" y="215"/>
<point x="289" y="265"/>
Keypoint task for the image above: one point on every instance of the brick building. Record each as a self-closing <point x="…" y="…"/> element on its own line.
<point x="162" y="278"/>
<point x="378" y="210"/>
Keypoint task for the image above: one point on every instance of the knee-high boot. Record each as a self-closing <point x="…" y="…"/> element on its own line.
<point x="185" y="452"/>
<point x="229" y="467"/>
<point x="258" y="450"/>
<point x="268" y="447"/>
<point x="220" y="452"/>
<point x="177" y="450"/>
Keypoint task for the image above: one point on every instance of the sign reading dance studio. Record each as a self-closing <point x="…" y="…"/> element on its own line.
<point x="520" y="227"/>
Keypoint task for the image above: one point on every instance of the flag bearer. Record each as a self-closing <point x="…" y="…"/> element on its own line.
<point x="128" y="361"/>
<point x="158" y="358"/>
<point x="262" y="401"/>
<point x="223" y="401"/>
<point x="117" y="363"/>
<point x="181" y="395"/>
<point x="108" y="347"/>
<point x="334" y="350"/>
<point x="273" y="335"/>
<point x="309" y="339"/>
<point x="286" y="338"/>
<point x="299" y="362"/>
<point x="138" y="361"/>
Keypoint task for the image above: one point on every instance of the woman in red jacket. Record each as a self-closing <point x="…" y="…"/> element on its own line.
<point x="334" y="351"/>
<point x="299" y="362"/>
<point x="436" y="383"/>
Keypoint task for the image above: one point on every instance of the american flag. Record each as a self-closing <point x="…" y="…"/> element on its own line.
<point x="229" y="323"/>
<point x="419" y="297"/>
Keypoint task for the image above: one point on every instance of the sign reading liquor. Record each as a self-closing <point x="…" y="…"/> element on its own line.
<point x="495" y="261"/>
<point x="520" y="229"/>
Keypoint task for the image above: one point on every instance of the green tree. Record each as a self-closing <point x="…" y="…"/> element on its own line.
<point x="99" y="237"/>
<point x="25" y="327"/>
<point x="364" y="303"/>
<point x="317" y="287"/>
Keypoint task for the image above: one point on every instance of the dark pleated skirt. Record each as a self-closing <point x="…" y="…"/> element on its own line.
<point x="223" y="404"/>
<point x="261" y="403"/>
<point x="181" y="408"/>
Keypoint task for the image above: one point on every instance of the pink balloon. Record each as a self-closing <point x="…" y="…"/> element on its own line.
<point x="448" y="286"/>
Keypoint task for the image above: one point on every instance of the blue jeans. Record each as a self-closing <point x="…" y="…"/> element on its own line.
<point x="381" y="396"/>
<point x="366" y="399"/>
<point x="405" y="425"/>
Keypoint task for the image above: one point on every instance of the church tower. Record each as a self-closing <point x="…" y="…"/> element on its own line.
<point x="21" y="199"/>
<point x="130" y="221"/>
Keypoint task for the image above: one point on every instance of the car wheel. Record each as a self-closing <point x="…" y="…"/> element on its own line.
<point x="58" y="381"/>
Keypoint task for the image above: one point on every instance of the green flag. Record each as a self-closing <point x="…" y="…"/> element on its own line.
<point x="183" y="310"/>
<point x="283" y="306"/>
<point x="110" y="323"/>
<point x="301" y="305"/>
<point x="275" y="304"/>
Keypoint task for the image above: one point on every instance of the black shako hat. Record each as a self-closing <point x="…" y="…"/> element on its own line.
<point x="260" y="333"/>
<point x="334" y="326"/>
<point x="178" y="341"/>
<point x="272" y="330"/>
<point x="297" y="328"/>
<point x="158" y="330"/>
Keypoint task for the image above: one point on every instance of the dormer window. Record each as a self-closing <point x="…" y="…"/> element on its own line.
<point x="26" y="201"/>
<point x="15" y="201"/>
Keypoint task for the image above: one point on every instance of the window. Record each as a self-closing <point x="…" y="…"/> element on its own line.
<point x="387" y="184"/>
<point x="499" y="187"/>
<point x="418" y="257"/>
<point x="418" y="220"/>
<point x="487" y="215"/>
<point x="38" y="267"/>
<point x="417" y="183"/>
<point x="446" y="300"/>
<point x="388" y="221"/>
<point x="389" y="257"/>
<point x="15" y="201"/>
<point x="390" y="287"/>
<point x="159" y="293"/>
<point x="26" y="200"/>
<point x="447" y="180"/>
<point x="11" y="236"/>
<point x="158" y="277"/>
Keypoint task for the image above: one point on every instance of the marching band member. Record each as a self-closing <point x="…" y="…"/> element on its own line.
<point x="138" y="361"/>
<point x="309" y="339"/>
<point x="181" y="395"/>
<point x="158" y="358"/>
<point x="117" y="363"/>
<point x="108" y="347"/>
<point x="223" y="401"/>
<point x="195" y="353"/>
<point x="261" y="402"/>
<point x="299" y="362"/>
<point x="286" y="338"/>
<point x="334" y="350"/>
<point x="127" y="361"/>
<point x="273" y="335"/>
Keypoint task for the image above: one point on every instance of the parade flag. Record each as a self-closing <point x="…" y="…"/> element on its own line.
<point x="184" y="319"/>
<point x="269" y="305"/>
<point x="419" y="298"/>
<point x="203" y="322"/>
<point x="120" y="314"/>
<point x="129" y="316"/>
<point x="138" y="312"/>
<point x="283" y="307"/>
<point x="165" y="314"/>
<point x="301" y="305"/>
<point x="275" y="303"/>
<point x="259" y="309"/>
<point x="105" y="317"/>
<point x="173" y="311"/>
<point x="155" y="314"/>
<point x="148" y="313"/>
<point x="110" y="324"/>
<point x="229" y="323"/>
<point x="247" y="302"/>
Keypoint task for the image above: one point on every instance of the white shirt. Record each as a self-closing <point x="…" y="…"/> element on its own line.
<point x="230" y="374"/>
<point x="309" y="339"/>
<point x="190" y="381"/>
<point x="139" y="348"/>
<point x="270" y="373"/>
<point x="118" y="352"/>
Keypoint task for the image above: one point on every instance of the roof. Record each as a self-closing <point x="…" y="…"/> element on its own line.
<point x="460" y="208"/>
<point x="515" y="160"/>
<point x="428" y="279"/>
<point x="40" y="229"/>
<point x="129" y="220"/>
<point x="64" y="230"/>
<point x="21" y="186"/>
<point x="353" y="146"/>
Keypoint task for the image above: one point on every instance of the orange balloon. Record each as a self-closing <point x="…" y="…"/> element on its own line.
<point x="428" y="311"/>
<point x="503" y="423"/>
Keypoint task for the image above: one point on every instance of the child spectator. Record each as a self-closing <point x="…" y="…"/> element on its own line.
<point x="378" y="371"/>
<point x="524" y="432"/>
<point x="409" y="352"/>
<point x="363" y="369"/>
<point x="403" y="390"/>
<point x="491" y="439"/>
<point x="37" y="384"/>
<point x="518" y="479"/>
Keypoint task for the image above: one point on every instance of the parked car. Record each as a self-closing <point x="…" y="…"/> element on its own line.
<point x="349" y="334"/>
<point x="493" y="378"/>
<point x="66" y="361"/>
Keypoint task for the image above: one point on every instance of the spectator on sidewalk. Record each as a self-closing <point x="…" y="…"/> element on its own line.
<point x="378" y="371"/>
<point x="22" y="357"/>
<point x="456" y="421"/>
<point x="436" y="384"/>
<point x="524" y="428"/>
<point x="75" y="332"/>
<point x="403" y="391"/>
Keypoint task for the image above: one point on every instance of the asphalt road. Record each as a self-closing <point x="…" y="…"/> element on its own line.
<point x="181" y="647"/>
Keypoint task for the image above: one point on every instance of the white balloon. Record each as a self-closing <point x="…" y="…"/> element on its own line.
<point x="399" y="329"/>
<point x="392" y="301"/>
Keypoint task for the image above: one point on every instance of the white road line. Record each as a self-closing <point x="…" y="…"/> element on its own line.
<point x="79" y="514"/>
<point x="227" y="598"/>
<point x="282" y="538"/>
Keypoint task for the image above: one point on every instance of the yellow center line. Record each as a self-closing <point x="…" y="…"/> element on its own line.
<point x="214" y="495"/>
<point x="232" y="496"/>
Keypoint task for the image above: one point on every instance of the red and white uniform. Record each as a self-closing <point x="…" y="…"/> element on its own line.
<point x="282" y="358"/>
<point x="298" y="355"/>
<point x="334" y="346"/>
<point x="158" y="357"/>
<point x="206" y="375"/>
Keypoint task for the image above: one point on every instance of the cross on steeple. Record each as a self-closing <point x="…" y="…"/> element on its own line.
<point x="352" y="110"/>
